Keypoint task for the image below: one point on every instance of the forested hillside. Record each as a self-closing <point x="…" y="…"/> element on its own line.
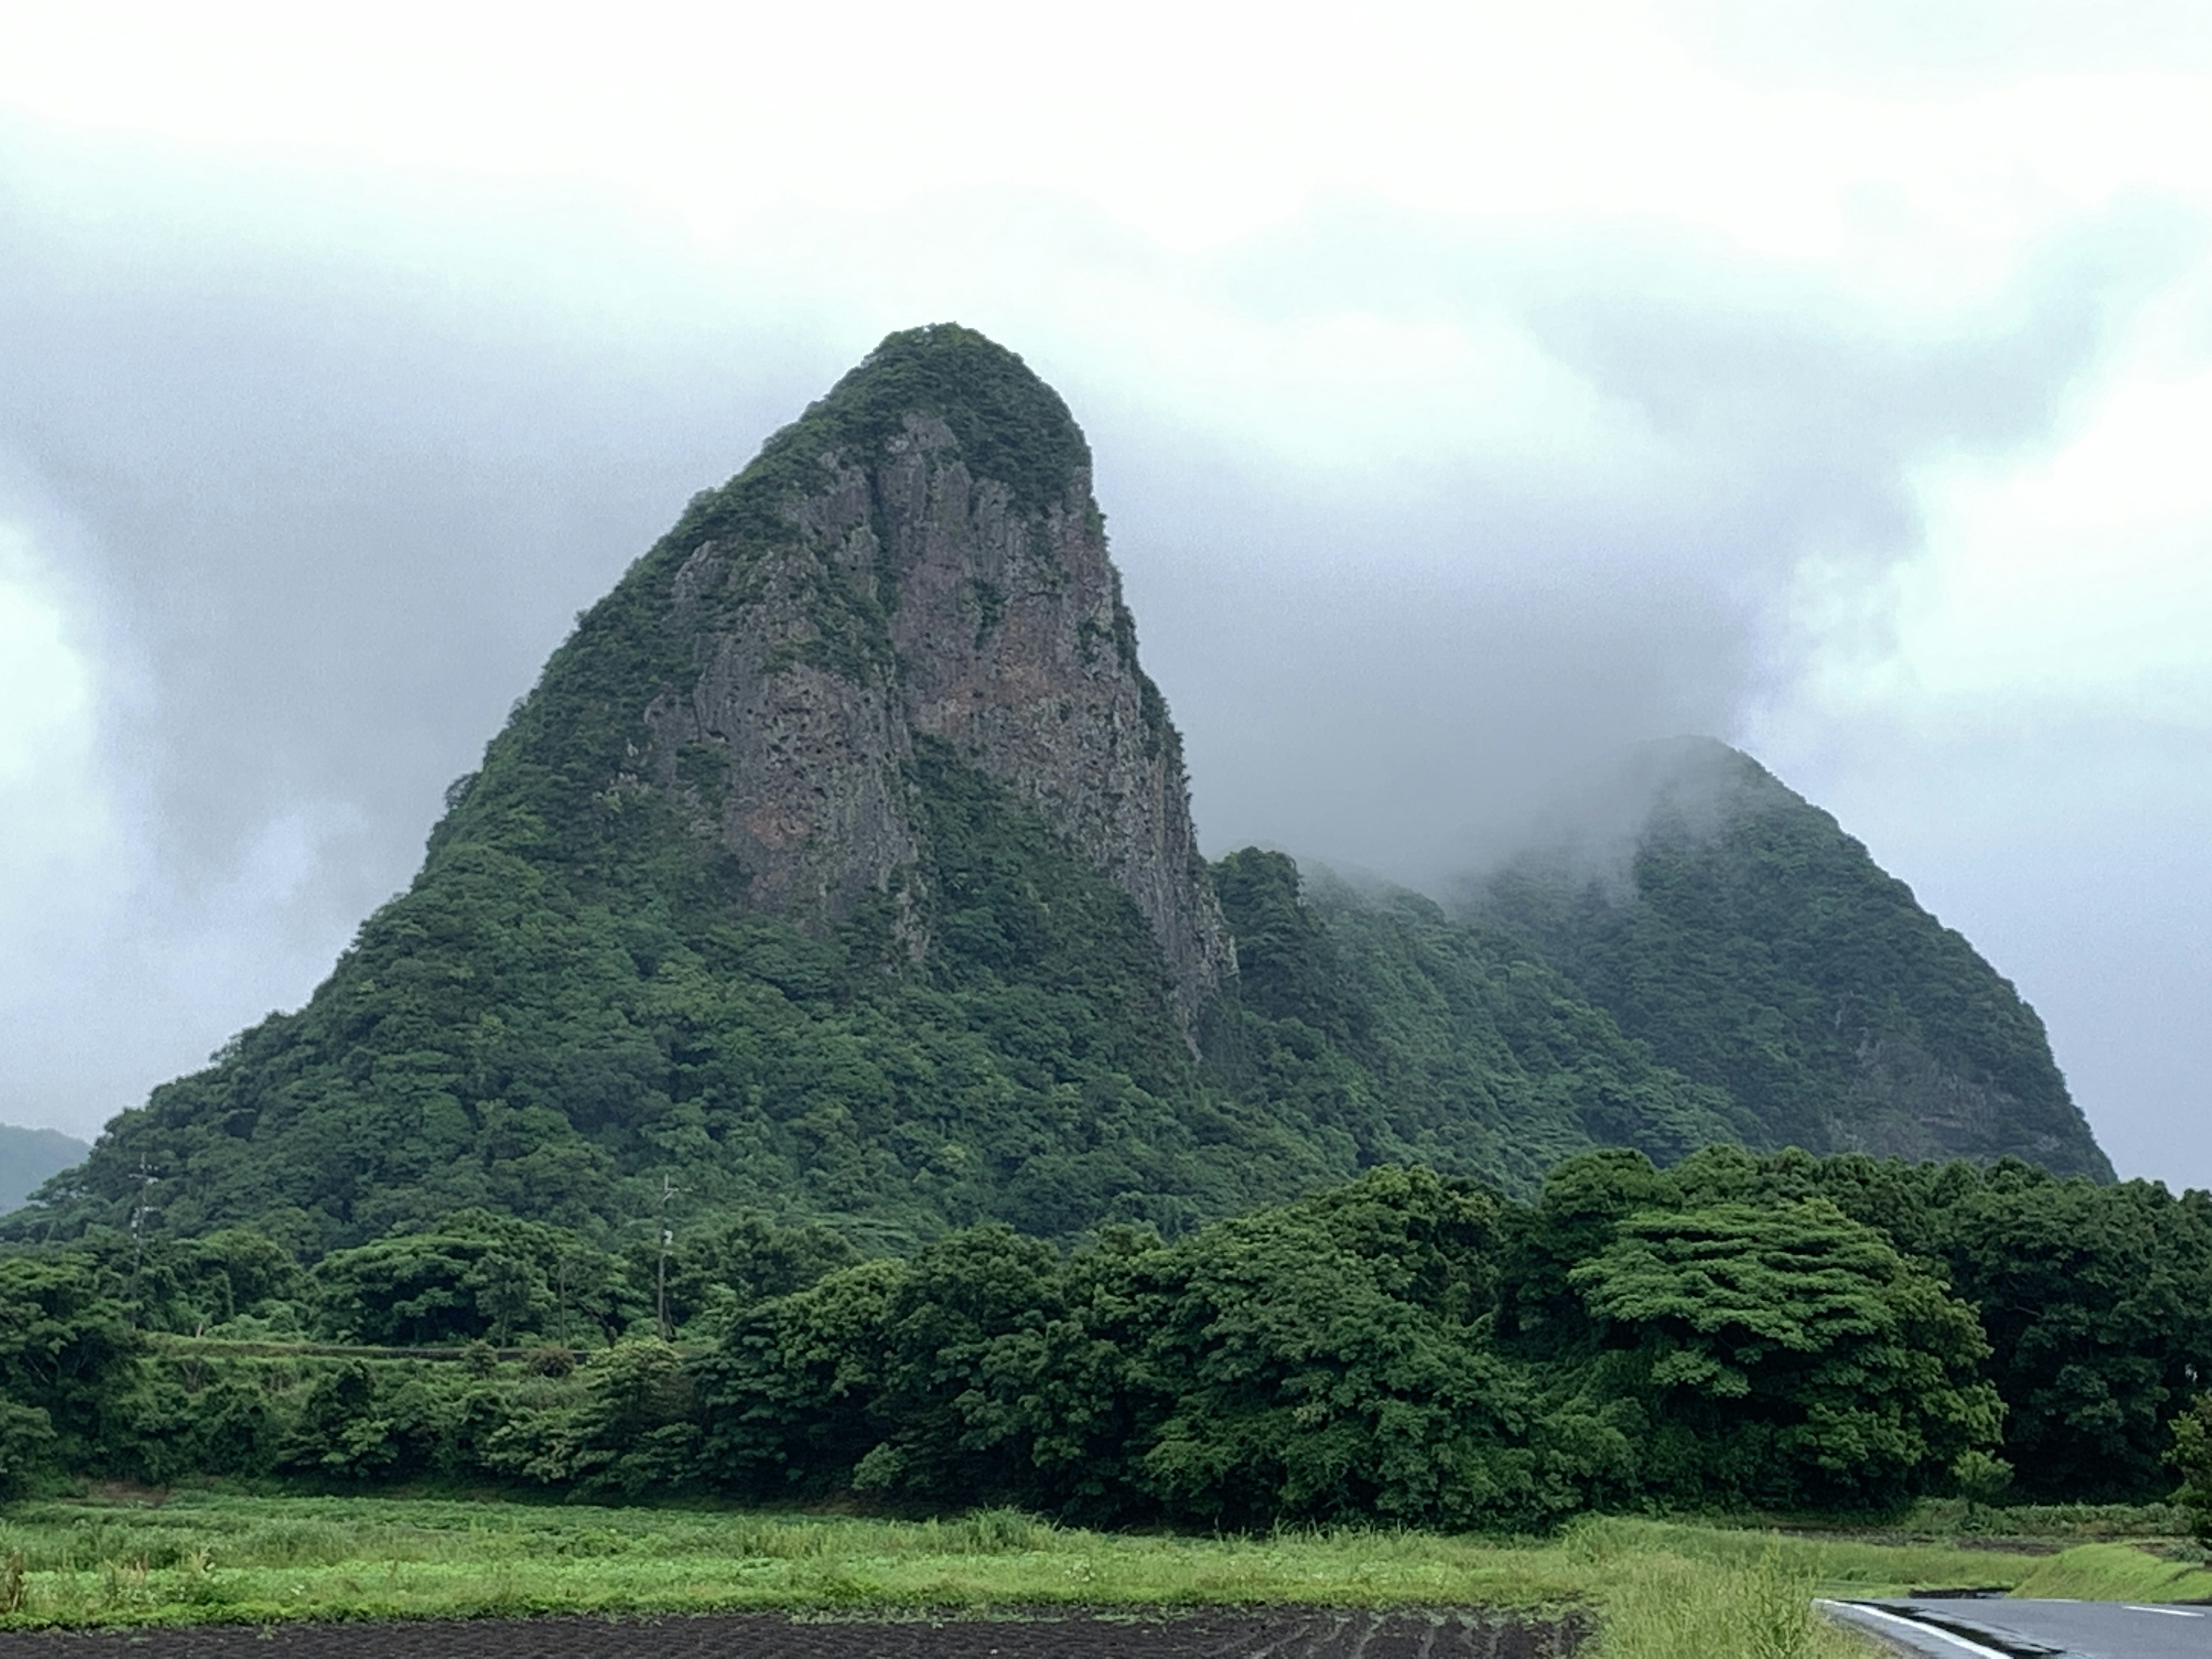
<point x="1736" y="929"/>
<point x="492" y="1044"/>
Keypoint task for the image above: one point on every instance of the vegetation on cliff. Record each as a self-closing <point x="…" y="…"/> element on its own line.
<point x="493" y="1042"/>
<point x="1755" y="947"/>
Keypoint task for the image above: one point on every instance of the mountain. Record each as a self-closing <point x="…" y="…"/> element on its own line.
<point x="1733" y="926"/>
<point x="840" y="864"/>
<point x="840" y="867"/>
<point x="30" y="1157"/>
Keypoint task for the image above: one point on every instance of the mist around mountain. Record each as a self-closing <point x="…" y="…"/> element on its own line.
<point x="1735" y="928"/>
<point x="29" y="1158"/>
<point x="840" y="867"/>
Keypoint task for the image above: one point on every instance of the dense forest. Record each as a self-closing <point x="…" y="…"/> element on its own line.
<point x="1787" y="1333"/>
<point x="492" y="1042"/>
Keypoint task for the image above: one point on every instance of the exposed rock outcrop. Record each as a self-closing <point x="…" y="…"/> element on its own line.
<point x="894" y="582"/>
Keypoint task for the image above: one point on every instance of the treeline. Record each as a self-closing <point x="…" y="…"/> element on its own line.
<point x="1792" y="1333"/>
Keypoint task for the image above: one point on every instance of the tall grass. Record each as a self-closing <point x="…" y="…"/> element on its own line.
<point x="1673" y="1607"/>
<point x="2117" y="1572"/>
<point x="204" y="1557"/>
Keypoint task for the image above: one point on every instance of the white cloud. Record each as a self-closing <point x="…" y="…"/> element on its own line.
<point x="2070" y="580"/>
<point x="51" y="806"/>
<point x="1196" y="123"/>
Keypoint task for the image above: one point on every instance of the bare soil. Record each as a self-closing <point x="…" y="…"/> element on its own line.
<point x="1244" y="1634"/>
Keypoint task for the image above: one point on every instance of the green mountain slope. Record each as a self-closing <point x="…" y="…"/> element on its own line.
<point x="839" y="866"/>
<point x="1754" y="947"/>
<point x="1378" y="1024"/>
<point x="28" y="1158"/>
<point x="492" y="1042"/>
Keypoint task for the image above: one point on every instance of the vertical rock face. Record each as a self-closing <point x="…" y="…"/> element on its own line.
<point x="919" y="557"/>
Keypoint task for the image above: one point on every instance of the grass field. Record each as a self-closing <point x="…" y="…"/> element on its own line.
<point x="1662" y="1590"/>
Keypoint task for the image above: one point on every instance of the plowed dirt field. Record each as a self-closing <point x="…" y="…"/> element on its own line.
<point x="1267" y="1633"/>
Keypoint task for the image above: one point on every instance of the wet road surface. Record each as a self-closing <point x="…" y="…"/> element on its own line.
<point x="2001" y="1628"/>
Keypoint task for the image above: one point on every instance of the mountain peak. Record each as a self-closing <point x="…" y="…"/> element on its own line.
<point x="915" y="560"/>
<point x="1720" y="917"/>
<point x="1009" y="425"/>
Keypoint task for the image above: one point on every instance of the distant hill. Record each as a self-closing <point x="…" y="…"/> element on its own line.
<point x="1734" y="927"/>
<point x="29" y="1157"/>
<point x="839" y="866"/>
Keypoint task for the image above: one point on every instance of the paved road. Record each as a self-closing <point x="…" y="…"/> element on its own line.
<point x="1996" y="1628"/>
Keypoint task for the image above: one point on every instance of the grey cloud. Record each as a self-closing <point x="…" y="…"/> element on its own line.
<point x="1399" y="680"/>
<point x="338" y="526"/>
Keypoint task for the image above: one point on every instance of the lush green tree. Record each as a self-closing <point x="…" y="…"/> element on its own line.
<point x="67" y="1362"/>
<point x="718" y="1272"/>
<point x="1542" y="1314"/>
<point x="1330" y="1359"/>
<point x="1327" y="1359"/>
<point x="2096" y="1299"/>
<point x="1786" y="1355"/>
<point x="785" y="1399"/>
<point x="189" y="1284"/>
<point x="2191" y="1458"/>
<point x="28" y="1449"/>
<point x="634" y="1432"/>
<point x="2098" y="1303"/>
<point x="479" y="1276"/>
<point x="190" y="1418"/>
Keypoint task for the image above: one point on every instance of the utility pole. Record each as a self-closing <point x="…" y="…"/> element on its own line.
<point x="146" y="1179"/>
<point x="668" y="1191"/>
<point x="563" y="1274"/>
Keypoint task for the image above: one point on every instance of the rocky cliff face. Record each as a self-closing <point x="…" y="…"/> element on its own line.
<point x="881" y="576"/>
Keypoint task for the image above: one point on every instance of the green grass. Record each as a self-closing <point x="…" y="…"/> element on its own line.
<point x="2118" y="1572"/>
<point x="1838" y="1564"/>
<point x="1664" y="1606"/>
<point x="209" y="1558"/>
<point x="2083" y="1524"/>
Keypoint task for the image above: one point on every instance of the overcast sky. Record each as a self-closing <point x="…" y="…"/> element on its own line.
<point x="1473" y="389"/>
